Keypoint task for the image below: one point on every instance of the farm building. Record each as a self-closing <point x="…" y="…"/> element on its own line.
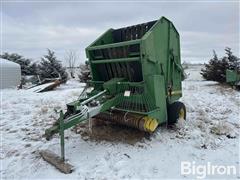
<point x="10" y="74"/>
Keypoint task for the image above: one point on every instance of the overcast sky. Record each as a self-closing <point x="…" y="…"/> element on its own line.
<point x="30" y="28"/>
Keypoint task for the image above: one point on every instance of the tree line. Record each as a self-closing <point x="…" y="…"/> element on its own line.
<point x="49" y="66"/>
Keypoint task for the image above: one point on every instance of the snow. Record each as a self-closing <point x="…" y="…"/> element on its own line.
<point x="210" y="134"/>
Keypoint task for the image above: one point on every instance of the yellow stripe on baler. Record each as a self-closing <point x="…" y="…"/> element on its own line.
<point x="173" y="93"/>
<point x="150" y="124"/>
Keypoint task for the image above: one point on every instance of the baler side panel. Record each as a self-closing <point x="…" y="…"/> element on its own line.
<point x="154" y="65"/>
<point x="158" y="94"/>
<point x="161" y="56"/>
<point x="175" y="77"/>
<point x="155" y="49"/>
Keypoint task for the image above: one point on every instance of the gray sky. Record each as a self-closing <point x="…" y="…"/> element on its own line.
<point x="30" y="28"/>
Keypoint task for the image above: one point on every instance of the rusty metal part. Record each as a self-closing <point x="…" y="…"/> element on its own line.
<point x="143" y="123"/>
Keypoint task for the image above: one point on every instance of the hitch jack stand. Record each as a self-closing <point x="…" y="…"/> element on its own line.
<point x="55" y="160"/>
<point x="61" y="132"/>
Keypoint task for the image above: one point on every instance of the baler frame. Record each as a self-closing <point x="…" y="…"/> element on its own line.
<point x="135" y="70"/>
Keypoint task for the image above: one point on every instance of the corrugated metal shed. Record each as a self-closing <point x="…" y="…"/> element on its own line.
<point x="10" y="74"/>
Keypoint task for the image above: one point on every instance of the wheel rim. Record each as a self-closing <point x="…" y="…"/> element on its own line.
<point x="181" y="114"/>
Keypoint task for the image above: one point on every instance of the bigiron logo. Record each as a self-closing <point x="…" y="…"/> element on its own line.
<point x="200" y="171"/>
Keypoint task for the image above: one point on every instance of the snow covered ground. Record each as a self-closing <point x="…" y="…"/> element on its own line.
<point x="210" y="134"/>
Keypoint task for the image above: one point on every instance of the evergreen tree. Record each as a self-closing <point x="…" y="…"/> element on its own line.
<point x="50" y="67"/>
<point x="33" y="69"/>
<point x="215" y="70"/>
<point x="233" y="61"/>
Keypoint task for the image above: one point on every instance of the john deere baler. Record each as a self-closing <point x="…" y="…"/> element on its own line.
<point x="136" y="79"/>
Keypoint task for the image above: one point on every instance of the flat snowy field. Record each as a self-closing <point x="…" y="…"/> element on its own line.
<point x="210" y="134"/>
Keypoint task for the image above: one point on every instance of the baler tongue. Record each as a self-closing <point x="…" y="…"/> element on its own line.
<point x="77" y="112"/>
<point x="130" y="110"/>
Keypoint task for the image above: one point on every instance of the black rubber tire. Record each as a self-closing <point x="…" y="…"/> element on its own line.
<point x="174" y="111"/>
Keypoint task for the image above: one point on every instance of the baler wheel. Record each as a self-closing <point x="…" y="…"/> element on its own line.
<point x="176" y="111"/>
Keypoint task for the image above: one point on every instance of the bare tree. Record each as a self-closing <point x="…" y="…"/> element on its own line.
<point x="71" y="58"/>
<point x="84" y="75"/>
